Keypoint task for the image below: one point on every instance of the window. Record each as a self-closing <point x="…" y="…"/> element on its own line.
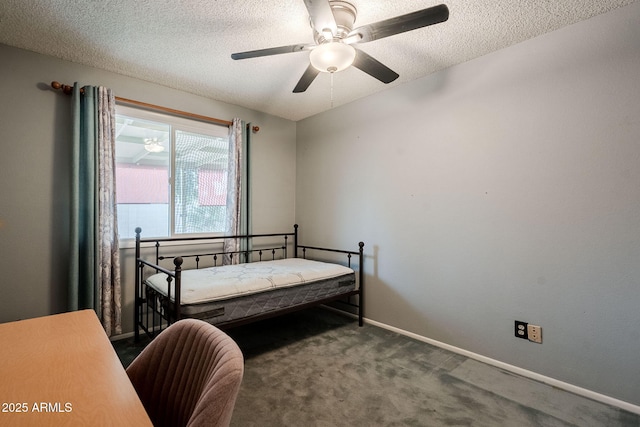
<point x="171" y="174"/>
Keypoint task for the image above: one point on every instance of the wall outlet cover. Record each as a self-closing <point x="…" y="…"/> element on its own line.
<point x="535" y="333"/>
<point x="521" y="330"/>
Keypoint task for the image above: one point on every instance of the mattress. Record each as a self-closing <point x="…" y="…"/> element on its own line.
<point x="225" y="293"/>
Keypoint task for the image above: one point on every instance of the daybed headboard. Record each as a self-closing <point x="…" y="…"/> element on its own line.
<point x="253" y="249"/>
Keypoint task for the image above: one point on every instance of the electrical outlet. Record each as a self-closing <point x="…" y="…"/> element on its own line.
<point x="535" y="333"/>
<point x="521" y="330"/>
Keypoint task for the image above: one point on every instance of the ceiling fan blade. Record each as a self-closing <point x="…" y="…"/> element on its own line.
<point x="400" y="24"/>
<point x="321" y="15"/>
<point x="272" y="51"/>
<point x="307" y="78"/>
<point x="373" y="67"/>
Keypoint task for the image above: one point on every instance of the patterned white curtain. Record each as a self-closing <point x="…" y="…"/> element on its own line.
<point x="108" y="283"/>
<point x="234" y="191"/>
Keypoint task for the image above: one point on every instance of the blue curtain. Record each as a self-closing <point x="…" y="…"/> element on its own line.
<point x="82" y="268"/>
<point x="94" y="269"/>
<point x="246" y="180"/>
<point x="244" y="218"/>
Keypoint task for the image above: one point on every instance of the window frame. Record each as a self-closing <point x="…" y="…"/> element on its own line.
<point x="176" y="123"/>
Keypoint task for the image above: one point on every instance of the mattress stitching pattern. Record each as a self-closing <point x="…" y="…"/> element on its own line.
<point x="244" y="279"/>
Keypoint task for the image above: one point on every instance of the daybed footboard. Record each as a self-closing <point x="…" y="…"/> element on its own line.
<point x="359" y="291"/>
<point x="157" y="304"/>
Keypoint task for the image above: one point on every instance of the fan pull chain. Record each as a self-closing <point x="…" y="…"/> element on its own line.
<point x="331" y="89"/>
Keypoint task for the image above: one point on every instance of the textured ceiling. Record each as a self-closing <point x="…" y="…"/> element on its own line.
<point x="187" y="44"/>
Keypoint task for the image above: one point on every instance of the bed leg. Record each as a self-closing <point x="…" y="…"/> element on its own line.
<point x="177" y="262"/>
<point x="361" y="284"/>
<point x="137" y="303"/>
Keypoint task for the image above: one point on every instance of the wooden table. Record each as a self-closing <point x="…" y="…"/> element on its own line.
<point x="62" y="370"/>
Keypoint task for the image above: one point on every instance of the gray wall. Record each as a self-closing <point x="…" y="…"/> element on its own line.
<point x="34" y="175"/>
<point x="504" y="188"/>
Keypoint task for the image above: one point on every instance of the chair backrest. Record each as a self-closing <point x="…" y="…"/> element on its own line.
<point x="189" y="375"/>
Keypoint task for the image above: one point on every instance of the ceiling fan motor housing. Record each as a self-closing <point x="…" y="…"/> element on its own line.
<point x="344" y="14"/>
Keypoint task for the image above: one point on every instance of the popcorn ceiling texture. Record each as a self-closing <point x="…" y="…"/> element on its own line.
<point x="187" y="45"/>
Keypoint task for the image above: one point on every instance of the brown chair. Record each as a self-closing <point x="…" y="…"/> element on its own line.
<point x="189" y="375"/>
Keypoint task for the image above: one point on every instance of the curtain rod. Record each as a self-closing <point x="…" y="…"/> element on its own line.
<point x="67" y="89"/>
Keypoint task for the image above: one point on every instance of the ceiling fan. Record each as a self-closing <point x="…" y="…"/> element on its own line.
<point x="332" y="23"/>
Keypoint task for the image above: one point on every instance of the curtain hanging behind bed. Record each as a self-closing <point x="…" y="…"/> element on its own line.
<point x="94" y="270"/>
<point x="237" y="190"/>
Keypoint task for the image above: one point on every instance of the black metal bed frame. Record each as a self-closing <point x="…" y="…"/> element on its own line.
<point x="155" y="311"/>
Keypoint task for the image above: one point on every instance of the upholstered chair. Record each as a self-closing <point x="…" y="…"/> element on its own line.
<point x="189" y="375"/>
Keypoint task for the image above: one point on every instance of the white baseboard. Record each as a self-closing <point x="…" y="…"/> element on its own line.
<point x="121" y="336"/>
<point x="126" y="335"/>
<point x="516" y="370"/>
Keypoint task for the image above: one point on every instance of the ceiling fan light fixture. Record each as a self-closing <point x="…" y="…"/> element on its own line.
<point x="332" y="57"/>
<point x="153" y="145"/>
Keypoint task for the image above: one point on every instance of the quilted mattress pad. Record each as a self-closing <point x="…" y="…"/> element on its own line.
<point x="223" y="282"/>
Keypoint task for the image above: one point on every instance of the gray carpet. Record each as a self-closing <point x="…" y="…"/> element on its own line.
<point x="318" y="368"/>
